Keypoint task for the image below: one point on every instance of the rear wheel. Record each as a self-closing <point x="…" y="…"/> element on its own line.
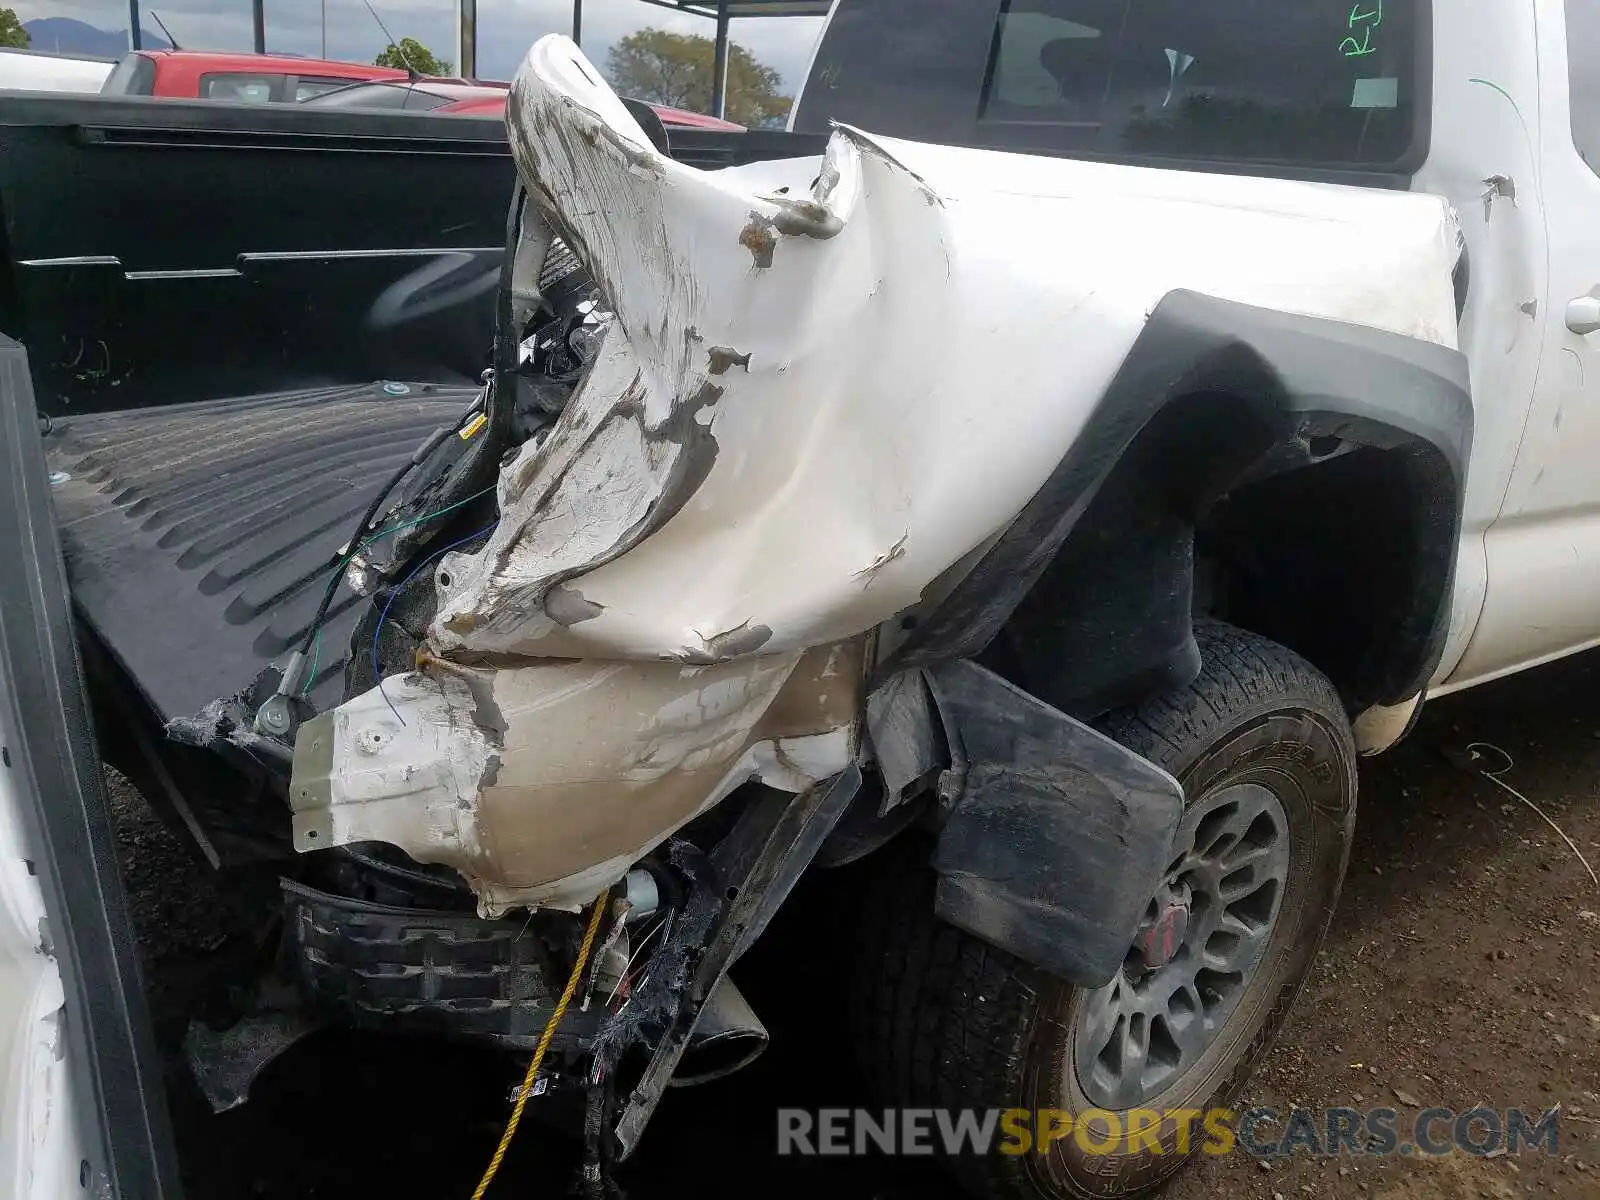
<point x="1263" y="749"/>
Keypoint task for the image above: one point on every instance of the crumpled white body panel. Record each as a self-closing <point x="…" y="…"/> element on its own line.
<point x="873" y="404"/>
<point x="828" y="382"/>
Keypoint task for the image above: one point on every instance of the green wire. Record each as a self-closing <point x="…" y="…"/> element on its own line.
<point x="338" y="573"/>
<point x="316" y="653"/>
<point x="438" y="512"/>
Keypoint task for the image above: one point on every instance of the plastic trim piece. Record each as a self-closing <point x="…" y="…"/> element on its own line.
<point x="1371" y="386"/>
<point x="111" y="1046"/>
<point x="1059" y="836"/>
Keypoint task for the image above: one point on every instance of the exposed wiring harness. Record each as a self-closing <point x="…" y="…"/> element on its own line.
<point x="338" y="574"/>
<point x="507" y="342"/>
<point x="434" y="440"/>
<point x="377" y="669"/>
<point x="505" y="363"/>
<point x="545" y="1038"/>
<point x="275" y="717"/>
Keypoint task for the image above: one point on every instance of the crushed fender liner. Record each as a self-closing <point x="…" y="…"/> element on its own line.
<point x="828" y="388"/>
<point x="1059" y="836"/>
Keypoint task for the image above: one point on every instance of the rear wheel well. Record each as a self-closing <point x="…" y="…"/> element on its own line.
<point x="1347" y="562"/>
<point x="1330" y="536"/>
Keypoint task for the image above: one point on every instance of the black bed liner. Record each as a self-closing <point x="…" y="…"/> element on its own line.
<point x="198" y="538"/>
<point x="156" y="250"/>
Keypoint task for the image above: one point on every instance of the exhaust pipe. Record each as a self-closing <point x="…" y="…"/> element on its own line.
<point x="727" y="1038"/>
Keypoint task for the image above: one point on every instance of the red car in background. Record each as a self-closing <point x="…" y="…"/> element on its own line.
<point x="481" y="99"/>
<point x="424" y="94"/>
<point x="268" y="79"/>
<point x="240" y="78"/>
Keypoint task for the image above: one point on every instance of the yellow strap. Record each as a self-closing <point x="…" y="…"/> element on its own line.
<point x="544" y="1044"/>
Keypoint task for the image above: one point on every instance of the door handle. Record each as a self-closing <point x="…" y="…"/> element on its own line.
<point x="1583" y="315"/>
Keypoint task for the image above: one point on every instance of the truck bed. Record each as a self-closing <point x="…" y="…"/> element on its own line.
<point x="156" y="251"/>
<point x="198" y="538"/>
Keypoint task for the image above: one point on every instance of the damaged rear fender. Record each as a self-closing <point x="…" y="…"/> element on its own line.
<point x="779" y="444"/>
<point x="828" y="385"/>
<point x="829" y="382"/>
<point x="542" y="784"/>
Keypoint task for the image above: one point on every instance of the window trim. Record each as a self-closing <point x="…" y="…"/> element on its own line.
<point x="1567" y="11"/>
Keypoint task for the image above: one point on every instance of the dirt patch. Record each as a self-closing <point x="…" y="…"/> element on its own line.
<point x="183" y="920"/>
<point x="1463" y="969"/>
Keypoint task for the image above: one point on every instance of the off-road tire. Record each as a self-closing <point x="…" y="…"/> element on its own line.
<point x="943" y="1019"/>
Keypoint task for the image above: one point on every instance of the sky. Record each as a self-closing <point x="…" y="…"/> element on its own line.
<point x="506" y="28"/>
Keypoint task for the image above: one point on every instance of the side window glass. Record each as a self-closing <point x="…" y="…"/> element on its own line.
<point x="240" y="89"/>
<point x="306" y="87"/>
<point x="1583" y="56"/>
<point x="418" y="100"/>
<point x="1046" y="62"/>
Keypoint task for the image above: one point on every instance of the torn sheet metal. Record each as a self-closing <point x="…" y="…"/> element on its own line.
<point x="827" y="382"/>
<point x="542" y="784"/>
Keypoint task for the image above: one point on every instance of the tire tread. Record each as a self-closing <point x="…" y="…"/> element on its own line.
<point x="942" y="1018"/>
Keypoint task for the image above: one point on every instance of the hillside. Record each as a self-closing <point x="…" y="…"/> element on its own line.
<point x="63" y="35"/>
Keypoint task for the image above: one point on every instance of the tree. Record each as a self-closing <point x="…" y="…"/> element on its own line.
<point x="412" y="55"/>
<point x="659" y="67"/>
<point x="11" y="31"/>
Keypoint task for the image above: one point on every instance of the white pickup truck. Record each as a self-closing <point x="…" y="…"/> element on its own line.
<point x="1130" y="418"/>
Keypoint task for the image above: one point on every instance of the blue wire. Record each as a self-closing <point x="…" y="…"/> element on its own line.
<point x="346" y="559"/>
<point x="377" y="671"/>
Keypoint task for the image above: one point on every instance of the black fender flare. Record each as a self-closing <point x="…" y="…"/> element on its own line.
<point x="1302" y="380"/>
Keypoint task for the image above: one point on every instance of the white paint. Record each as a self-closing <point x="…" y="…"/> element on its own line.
<point x="40" y="1146"/>
<point x="865" y="439"/>
<point x="32" y="71"/>
<point x="1486" y="113"/>
<point x="403" y="772"/>
<point x="795" y="763"/>
<point x="1381" y="726"/>
<point x="1542" y="554"/>
<point x="522" y="781"/>
<point x="862" y="451"/>
<point x="913" y="377"/>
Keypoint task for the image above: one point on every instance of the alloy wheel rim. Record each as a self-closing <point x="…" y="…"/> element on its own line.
<point x="1201" y="942"/>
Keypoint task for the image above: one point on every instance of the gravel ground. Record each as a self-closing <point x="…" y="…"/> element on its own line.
<point x="1463" y="968"/>
<point x="1464" y="964"/>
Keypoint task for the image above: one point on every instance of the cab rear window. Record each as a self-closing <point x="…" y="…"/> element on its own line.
<point x="1316" y="82"/>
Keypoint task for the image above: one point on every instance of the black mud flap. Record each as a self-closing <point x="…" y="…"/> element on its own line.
<point x="1059" y="837"/>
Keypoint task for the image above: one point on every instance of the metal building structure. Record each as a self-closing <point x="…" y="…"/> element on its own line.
<point x="720" y="11"/>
